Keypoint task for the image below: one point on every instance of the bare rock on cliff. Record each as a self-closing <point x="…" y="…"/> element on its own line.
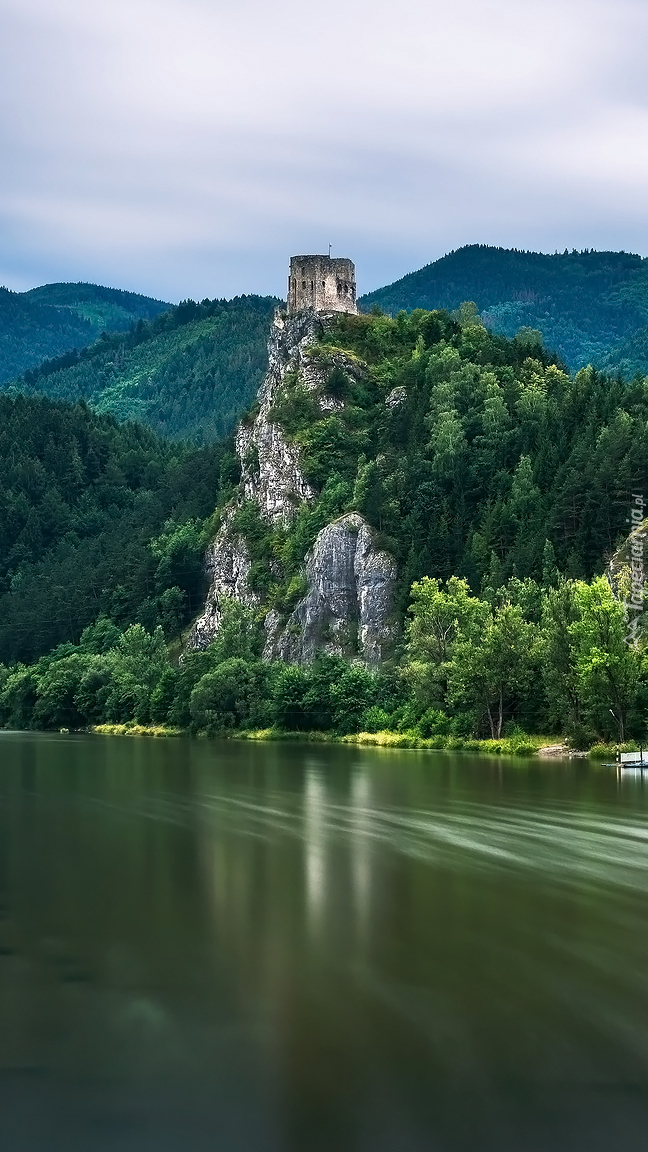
<point x="227" y="564"/>
<point x="396" y="397"/>
<point x="348" y="609"/>
<point x="271" y="474"/>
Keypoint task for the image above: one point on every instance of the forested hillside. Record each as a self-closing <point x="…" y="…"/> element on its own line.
<point x="470" y="454"/>
<point x="96" y="518"/>
<point x="48" y="321"/>
<point x="189" y="373"/>
<point x="591" y="307"/>
<point x="500" y="484"/>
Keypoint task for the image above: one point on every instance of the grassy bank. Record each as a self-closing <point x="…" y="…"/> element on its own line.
<point x="512" y="746"/>
<point x="507" y="746"/>
<point x="518" y="745"/>
<point x="136" y="730"/>
<point x="608" y="751"/>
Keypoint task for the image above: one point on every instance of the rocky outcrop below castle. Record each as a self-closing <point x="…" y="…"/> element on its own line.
<point x="270" y="471"/>
<point x="227" y="564"/>
<point x="348" y="605"/>
<point x="347" y="610"/>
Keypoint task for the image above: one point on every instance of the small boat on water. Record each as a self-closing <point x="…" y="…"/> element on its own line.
<point x="633" y="759"/>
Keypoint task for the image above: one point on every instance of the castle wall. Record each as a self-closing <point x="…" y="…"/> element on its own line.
<point x="323" y="283"/>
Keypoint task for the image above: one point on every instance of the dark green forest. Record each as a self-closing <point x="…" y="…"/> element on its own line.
<point x="49" y="321"/>
<point x="97" y="518"/>
<point x="188" y="373"/>
<point x="500" y="483"/>
<point x="591" y="307"/>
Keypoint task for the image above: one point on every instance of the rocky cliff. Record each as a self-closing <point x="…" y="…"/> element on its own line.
<point x="347" y="608"/>
<point x="271" y="475"/>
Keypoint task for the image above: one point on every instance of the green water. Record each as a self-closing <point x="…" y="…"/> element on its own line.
<point x="270" y="947"/>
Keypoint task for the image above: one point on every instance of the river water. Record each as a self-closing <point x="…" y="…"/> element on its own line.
<point x="229" y="946"/>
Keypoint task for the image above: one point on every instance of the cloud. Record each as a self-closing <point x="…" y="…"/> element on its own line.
<point x="186" y="147"/>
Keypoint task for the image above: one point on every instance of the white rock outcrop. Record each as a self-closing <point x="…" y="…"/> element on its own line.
<point x="271" y="474"/>
<point x="227" y="564"/>
<point x="348" y="608"/>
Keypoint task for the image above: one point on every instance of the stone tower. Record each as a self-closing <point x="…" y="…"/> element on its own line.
<point x="322" y="283"/>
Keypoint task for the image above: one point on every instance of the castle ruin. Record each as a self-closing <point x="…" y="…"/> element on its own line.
<point x="321" y="283"/>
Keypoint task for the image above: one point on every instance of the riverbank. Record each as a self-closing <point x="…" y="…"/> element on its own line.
<point x="511" y="745"/>
<point x="545" y="747"/>
<point x="136" y="730"/>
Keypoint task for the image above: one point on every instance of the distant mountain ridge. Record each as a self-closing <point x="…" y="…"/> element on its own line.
<point x="591" y="307"/>
<point x="188" y="373"/>
<point x="48" y="321"/>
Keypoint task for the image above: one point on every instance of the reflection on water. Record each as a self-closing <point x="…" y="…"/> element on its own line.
<point x="281" y="947"/>
<point x="314" y="834"/>
<point x="360" y="846"/>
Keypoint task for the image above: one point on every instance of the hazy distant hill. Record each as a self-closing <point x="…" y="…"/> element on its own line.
<point x="188" y="373"/>
<point x="55" y="318"/>
<point x="591" y="307"/>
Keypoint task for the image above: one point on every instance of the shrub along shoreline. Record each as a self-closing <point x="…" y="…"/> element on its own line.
<point x="466" y="696"/>
<point x="512" y="746"/>
<point x="524" y="746"/>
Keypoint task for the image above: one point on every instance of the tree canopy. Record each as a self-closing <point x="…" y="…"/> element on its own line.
<point x="97" y="518"/>
<point x="591" y="307"/>
<point x="188" y="373"/>
<point x="51" y="320"/>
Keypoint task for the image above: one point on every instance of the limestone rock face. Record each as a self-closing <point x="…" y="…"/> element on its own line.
<point x="347" y="610"/>
<point x="271" y="474"/>
<point x="228" y="565"/>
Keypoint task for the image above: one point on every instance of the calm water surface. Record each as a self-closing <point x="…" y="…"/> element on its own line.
<point x="237" y="947"/>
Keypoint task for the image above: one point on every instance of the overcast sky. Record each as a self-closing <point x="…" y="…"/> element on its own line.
<point x="188" y="147"/>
